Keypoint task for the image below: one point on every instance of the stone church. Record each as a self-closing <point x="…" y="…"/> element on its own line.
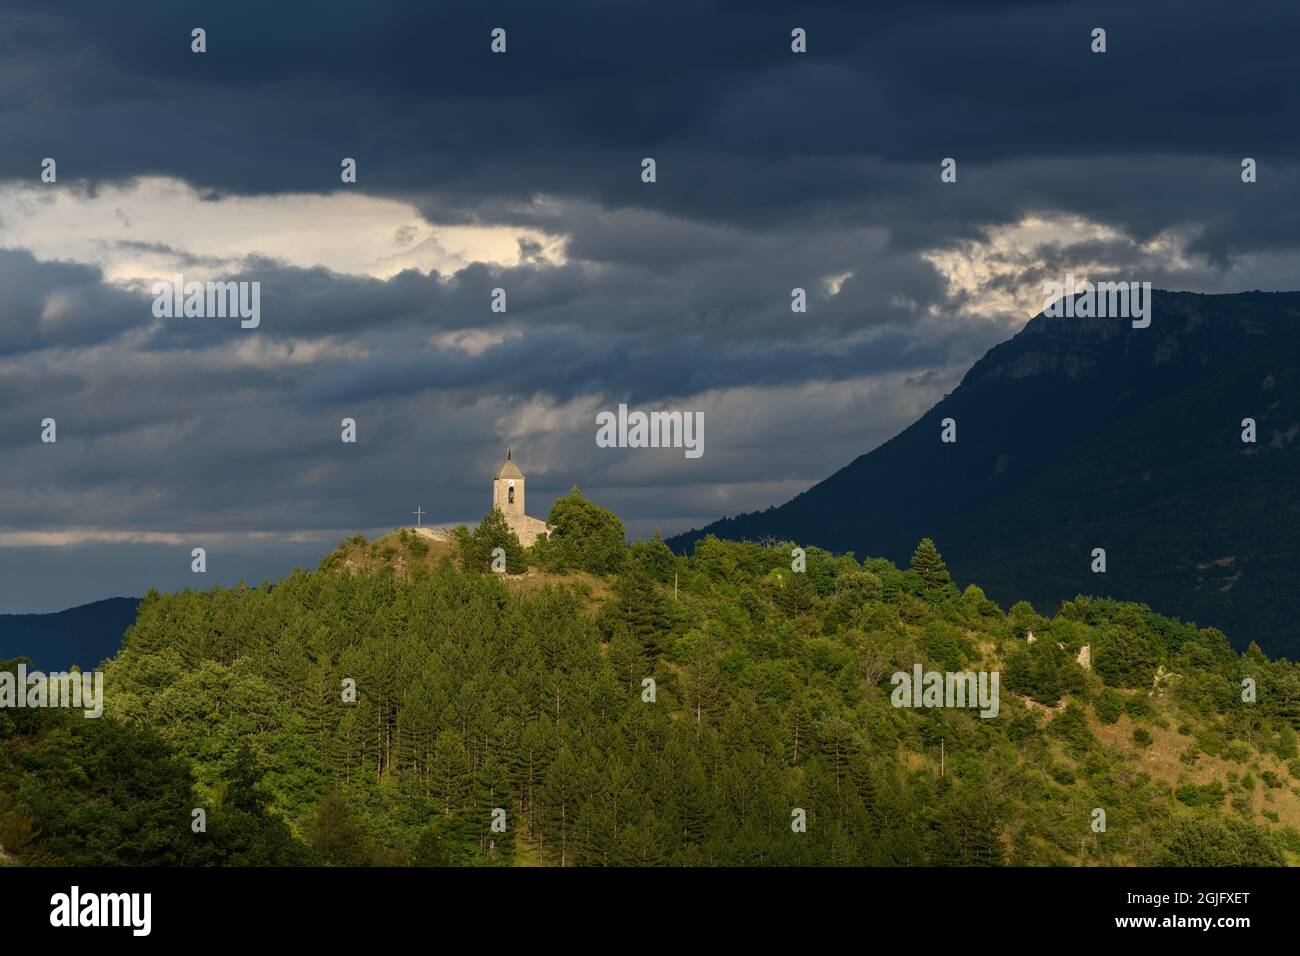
<point x="508" y="495"/>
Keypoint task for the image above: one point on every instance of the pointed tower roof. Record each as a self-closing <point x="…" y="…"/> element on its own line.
<point x="509" y="469"/>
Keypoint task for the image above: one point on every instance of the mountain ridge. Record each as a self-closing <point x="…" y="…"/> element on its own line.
<point x="1083" y="433"/>
<point x="83" y="635"/>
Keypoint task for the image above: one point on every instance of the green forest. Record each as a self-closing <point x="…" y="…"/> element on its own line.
<point x="607" y="704"/>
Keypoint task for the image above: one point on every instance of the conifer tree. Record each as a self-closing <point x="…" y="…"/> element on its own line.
<point x="494" y="532"/>
<point x="643" y="611"/>
<point x="335" y="833"/>
<point x="927" y="563"/>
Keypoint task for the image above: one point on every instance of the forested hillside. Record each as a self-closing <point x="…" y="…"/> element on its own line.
<point x="771" y="694"/>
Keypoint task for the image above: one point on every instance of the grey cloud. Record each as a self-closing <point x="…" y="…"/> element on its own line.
<point x="58" y="305"/>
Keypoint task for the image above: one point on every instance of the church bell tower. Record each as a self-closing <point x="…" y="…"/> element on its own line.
<point x="508" y="489"/>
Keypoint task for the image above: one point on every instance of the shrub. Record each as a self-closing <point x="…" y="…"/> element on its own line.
<point x="1206" y="795"/>
<point x="1205" y="841"/>
<point x="1042" y="671"/>
<point x="1108" y="705"/>
<point x="1125" y="658"/>
<point x="1072" y="727"/>
<point x="944" y="643"/>
<point x="1138" y="706"/>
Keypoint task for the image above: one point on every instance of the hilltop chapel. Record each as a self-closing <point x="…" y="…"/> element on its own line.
<point x="508" y="495"/>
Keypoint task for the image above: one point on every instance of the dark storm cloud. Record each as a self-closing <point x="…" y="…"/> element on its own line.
<point x="55" y="305"/>
<point x="775" y="171"/>
<point x="527" y="366"/>
<point x="744" y="131"/>
<point x="715" y="313"/>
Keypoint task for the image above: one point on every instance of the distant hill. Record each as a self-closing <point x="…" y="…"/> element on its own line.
<point x="84" y="635"/>
<point x="1087" y="433"/>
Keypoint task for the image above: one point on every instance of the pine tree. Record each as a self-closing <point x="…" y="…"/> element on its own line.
<point x="927" y="563"/>
<point x="450" y="772"/>
<point x="335" y="833"/>
<point x="653" y="558"/>
<point x="493" y="532"/>
<point x="643" y="611"/>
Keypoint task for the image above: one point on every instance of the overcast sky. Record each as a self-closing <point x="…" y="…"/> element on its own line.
<point x="522" y="171"/>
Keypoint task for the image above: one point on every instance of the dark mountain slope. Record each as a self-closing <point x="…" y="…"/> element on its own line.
<point x="1086" y="433"/>
<point x="84" y="635"/>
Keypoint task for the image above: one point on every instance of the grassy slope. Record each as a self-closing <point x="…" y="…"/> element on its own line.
<point x="405" y="552"/>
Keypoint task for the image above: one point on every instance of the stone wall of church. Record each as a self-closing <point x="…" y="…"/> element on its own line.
<point x="526" y="529"/>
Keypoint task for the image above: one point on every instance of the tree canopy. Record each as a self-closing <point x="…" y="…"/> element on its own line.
<point x="457" y="717"/>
